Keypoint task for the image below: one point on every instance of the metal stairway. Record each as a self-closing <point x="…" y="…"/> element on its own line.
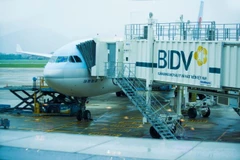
<point x="164" y="121"/>
<point x="237" y="110"/>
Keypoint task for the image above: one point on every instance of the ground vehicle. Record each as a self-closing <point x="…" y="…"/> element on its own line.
<point x="5" y="123"/>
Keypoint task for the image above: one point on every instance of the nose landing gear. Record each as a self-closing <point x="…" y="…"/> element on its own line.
<point x="83" y="113"/>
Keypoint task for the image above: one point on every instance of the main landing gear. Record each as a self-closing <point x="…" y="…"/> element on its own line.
<point x="83" y="113"/>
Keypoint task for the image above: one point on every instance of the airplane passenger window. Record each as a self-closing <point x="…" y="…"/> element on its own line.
<point x="71" y="59"/>
<point x="62" y="59"/>
<point x="77" y="59"/>
<point x="52" y="59"/>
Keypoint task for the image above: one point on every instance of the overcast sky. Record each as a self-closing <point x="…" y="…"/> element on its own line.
<point x="73" y="18"/>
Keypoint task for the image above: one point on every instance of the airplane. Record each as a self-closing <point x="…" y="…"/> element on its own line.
<point x="67" y="73"/>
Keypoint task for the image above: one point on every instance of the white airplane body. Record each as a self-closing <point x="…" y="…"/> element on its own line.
<point x="67" y="73"/>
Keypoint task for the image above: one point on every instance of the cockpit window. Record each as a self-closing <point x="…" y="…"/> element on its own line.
<point x="71" y="59"/>
<point x="61" y="59"/>
<point x="77" y="59"/>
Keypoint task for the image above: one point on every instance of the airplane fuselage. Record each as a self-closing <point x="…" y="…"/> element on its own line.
<point x="67" y="73"/>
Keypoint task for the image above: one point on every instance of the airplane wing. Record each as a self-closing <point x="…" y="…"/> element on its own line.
<point x="19" y="50"/>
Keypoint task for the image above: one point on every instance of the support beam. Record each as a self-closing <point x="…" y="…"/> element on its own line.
<point x="27" y="101"/>
<point x="149" y="78"/>
<point x="29" y="98"/>
<point x="213" y="93"/>
<point x="179" y="101"/>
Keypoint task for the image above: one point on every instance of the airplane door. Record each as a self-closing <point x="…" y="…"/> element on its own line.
<point x="112" y="57"/>
<point x="112" y="52"/>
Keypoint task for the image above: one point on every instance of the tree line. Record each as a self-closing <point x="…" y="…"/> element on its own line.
<point x="4" y="56"/>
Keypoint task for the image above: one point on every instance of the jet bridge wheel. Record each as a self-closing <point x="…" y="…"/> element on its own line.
<point x="154" y="133"/>
<point x="118" y="94"/>
<point x="192" y="112"/>
<point x="205" y="111"/>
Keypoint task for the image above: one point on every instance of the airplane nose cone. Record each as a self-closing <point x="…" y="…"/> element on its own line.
<point x="53" y="77"/>
<point x="53" y="73"/>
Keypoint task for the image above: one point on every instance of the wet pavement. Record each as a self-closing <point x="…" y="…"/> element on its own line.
<point x="116" y="116"/>
<point x="113" y="116"/>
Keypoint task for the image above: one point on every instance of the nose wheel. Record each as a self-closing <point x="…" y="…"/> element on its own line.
<point x="79" y="115"/>
<point x="87" y="115"/>
<point x="83" y="113"/>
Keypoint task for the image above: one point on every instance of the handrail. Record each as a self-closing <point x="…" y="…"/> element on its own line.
<point x="208" y="31"/>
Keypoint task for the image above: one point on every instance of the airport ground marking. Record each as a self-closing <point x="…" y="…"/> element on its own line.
<point x="221" y="136"/>
<point x="196" y="120"/>
<point x="116" y="129"/>
<point x="104" y="134"/>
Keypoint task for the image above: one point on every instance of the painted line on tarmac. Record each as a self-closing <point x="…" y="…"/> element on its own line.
<point x="116" y="129"/>
<point x="28" y="129"/>
<point x="221" y="136"/>
<point x="104" y="134"/>
<point x="196" y="120"/>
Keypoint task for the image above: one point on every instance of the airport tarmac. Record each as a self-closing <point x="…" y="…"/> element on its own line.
<point x="113" y="116"/>
<point x="116" y="116"/>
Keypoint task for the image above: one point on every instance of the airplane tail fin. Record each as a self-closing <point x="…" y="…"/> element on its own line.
<point x="200" y="15"/>
<point x="19" y="48"/>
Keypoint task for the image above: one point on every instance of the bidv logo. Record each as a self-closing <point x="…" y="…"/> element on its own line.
<point x="201" y="52"/>
<point x="173" y="59"/>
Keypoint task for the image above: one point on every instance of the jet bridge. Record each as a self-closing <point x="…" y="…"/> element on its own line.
<point x="203" y="58"/>
<point x="88" y="50"/>
<point x="184" y="54"/>
<point x="97" y="52"/>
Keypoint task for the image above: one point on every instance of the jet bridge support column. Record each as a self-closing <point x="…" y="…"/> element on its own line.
<point x="149" y="78"/>
<point x="186" y="95"/>
<point x="179" y="100"/>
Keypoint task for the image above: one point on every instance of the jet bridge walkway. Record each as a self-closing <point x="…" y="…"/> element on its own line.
<point x="88" y="50"/>
<point x="201" y="57"/>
